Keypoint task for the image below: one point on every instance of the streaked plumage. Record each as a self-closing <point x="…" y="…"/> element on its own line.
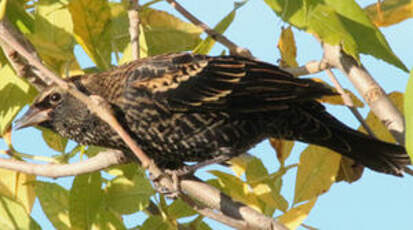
<point x="188" y="107"/>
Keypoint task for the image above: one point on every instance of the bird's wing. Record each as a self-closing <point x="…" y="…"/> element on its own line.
<point x="190" y="82"/>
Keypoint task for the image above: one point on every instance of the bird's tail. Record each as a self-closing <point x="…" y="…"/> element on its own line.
<point x="375" y="154"/>
<point x="310" y="123"/>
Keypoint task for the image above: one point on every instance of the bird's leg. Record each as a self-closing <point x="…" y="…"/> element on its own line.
<point x="187" y="170"/>
<point x="190" y="169"/>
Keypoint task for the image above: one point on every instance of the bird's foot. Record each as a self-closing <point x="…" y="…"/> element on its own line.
<point x="175" y="176"/>
<point x="178" y="174"/>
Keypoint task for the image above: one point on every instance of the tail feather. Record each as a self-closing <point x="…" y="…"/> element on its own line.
<point x="310" y="123"/>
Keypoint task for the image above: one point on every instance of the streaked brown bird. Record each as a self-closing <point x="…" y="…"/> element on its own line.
<point x="188" y="107"/>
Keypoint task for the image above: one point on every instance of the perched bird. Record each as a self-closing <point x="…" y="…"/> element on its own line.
<point x="193" y="108"/>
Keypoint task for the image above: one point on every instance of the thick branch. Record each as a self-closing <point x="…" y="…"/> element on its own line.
<point x="368" y="88"/>
<point x="349" y="102"/>
<point x="233" y="48"/>
<point x="213" y="198"/>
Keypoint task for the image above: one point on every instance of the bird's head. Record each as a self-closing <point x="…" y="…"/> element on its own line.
<point x="55" y="109"/>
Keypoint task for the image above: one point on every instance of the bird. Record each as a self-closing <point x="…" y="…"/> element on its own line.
<point x="186" y="107"/>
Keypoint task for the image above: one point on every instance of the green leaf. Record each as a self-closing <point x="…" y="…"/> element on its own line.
<point x="54" y="140"/>
<point x="90" y="17"/>
<point x="14" y="94"/>
<point x="317" y="171"/>
<point x="107" y="220"/>
<point x="156" y="223"/>
<point x="205" y="46"/>
<point x="165" y="33"/>
<point x="179" y="209"/>
<point x="128" y="196"/>
<point x="54" y="200"/>
<point x="19" y="16"/>
<point x="53" y="36"/>
<point x="15" y="186"/>
<point x="408" y="113"/>
<point x="338" y="23"/>
<point x="14" y="216"/>
<point x="84" y="200"/>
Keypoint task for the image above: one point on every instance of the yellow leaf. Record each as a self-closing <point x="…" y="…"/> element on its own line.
<point x="237" y="189"/>
<point x="282" y="147"/>
<point x="389" y="12"/>
<point x="317" y="171"/>
<point x="239" y="164"/>
<point x="349" y="171"/>
<point x="15" y="186"/>
<point x="295" y="216"/>
<point x="375" y="124"/>
<point x="288" y="50"/>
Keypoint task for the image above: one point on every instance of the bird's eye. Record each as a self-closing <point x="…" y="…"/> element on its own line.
<point x="55" y="97"/>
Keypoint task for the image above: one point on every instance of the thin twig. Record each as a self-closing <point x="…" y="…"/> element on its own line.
<point x="349" y="102"/>
<point x="233" y="48"/>
<point x="133" y="15"/>
<point x="311" y="67"/>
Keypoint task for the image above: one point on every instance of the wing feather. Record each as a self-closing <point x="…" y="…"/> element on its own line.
<point x="190" y="82"/>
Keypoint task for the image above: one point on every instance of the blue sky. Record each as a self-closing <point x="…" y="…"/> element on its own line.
<point x="376" y="201"/>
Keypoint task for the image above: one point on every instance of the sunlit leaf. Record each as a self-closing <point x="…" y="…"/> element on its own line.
<point x="15" y="93"/>
<point x="53" y="36"/>
<point x="408" y="112"/>
<point x="317" y="171"/>
<point x="206" y="45"/>
<point x="15" y="185"/>
<point x="54" y="200"/>
<point x="14" y="216"/>
<point x="237" y="189"/>
<point x="389" y="12"/>
<point x="375" y="124"/>
<point x="3" y="6"/>
<point x="84" y="200"/>
<point x="287" y="47"/>
<point x="294" y="217"/>
<point x="90" y="17"/>
<point x="338" y="23"/>
<point x="128" y="196"/>
<point x="282" y="147"/>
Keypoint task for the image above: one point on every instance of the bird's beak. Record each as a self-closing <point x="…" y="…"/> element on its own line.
<point x="32" y="117"/>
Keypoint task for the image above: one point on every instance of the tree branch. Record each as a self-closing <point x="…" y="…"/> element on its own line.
<point x="311" y="67"/>
<point x="233" y="48"/>
<point x="133" y="15"/>
<point x="368" y="88"/>
<point x="349" y="102"/>
<point x="101" y="161"/>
